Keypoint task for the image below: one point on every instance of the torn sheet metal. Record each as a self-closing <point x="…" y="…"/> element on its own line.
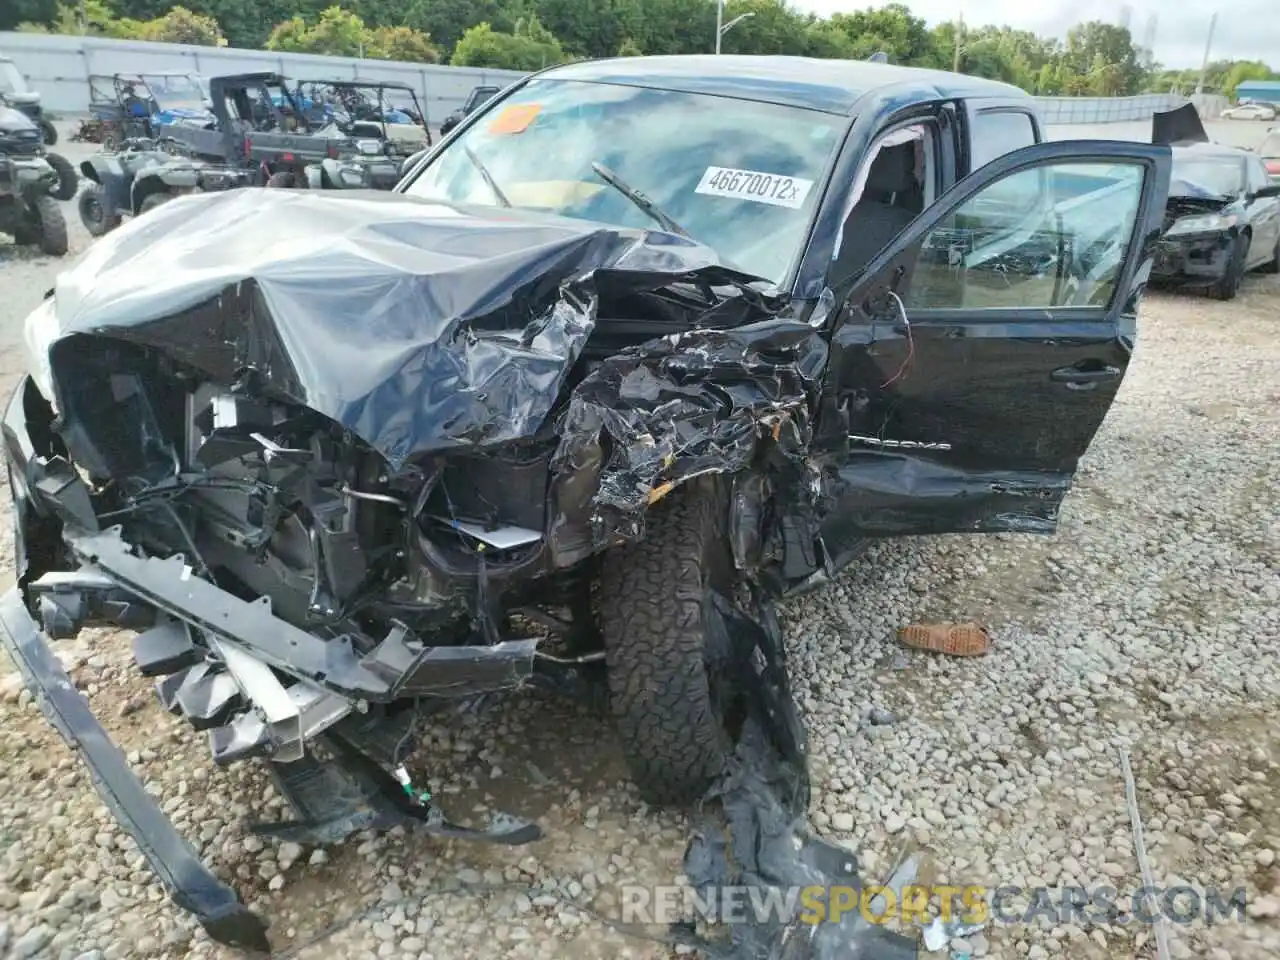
<point x="752" y="830"/>
<point x="1182" y="125"/>
<point x="466" y="323"/>
<point x="650" y="418"/>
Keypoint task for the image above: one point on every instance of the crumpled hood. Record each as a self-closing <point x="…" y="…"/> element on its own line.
<point x="418" y="326"/>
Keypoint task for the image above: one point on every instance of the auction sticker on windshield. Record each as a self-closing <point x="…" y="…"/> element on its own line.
<point x="753" y="185"/>
<point x="515" y="119"/>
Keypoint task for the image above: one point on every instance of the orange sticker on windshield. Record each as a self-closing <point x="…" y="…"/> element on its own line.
<point x="515" y="119"/>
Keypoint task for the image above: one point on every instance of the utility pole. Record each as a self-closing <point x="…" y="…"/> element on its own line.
<point x="955" y="63"/>
<point x="723" y="28"/>
<point x="1208" y="42"/>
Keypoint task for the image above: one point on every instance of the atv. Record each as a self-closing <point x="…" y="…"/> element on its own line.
<point x="145" y="174"/>
<point x="20" y="137"/>
<point x="366" y="167"/>
<point x="15" y="93"/>
<point x="28" y="212"/>
<point x="125" y="106"/>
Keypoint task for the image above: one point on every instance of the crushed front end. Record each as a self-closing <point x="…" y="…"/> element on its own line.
<point x="1197" y="244"/>
<point x="336" y="465"/>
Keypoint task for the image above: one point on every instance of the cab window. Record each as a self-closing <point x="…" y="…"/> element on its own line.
<point x="1065" y="248"/>
<point x="993" y="133"/>
<point x="897" y="180"/>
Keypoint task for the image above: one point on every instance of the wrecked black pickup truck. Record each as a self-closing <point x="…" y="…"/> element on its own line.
<point x="644" y="341"/>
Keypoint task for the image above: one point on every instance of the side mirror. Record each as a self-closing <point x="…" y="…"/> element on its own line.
<point x="1272" y="190"/>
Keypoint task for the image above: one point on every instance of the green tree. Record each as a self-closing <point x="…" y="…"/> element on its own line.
<point x="401" y="43"/>
<point x="99" y="21"/>
<point x="30" y="13"/>
<point x="771" y="27"/>
<point x="891" y="29"/>
<point x="289" y="35"/>
<point x="590" y="28"/>
<point x="629" y="48"/>
<point x="677" y="26"/>
<point x="445" y="21"/>
<point x="180" y="25"/>
<point x="823" y="39"/>
<point x="1242" y="71"/>
<point x="1088" y="41"/>
<point x="530" y="47"/>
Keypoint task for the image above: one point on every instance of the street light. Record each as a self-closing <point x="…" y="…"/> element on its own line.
<point x="723" y="28"/>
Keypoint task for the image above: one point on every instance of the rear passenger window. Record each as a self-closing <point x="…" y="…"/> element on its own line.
<point x="998" y="132"/>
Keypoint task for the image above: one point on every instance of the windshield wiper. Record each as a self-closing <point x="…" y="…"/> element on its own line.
<point x="639" y="199"/>
<point x="488" y="177"/>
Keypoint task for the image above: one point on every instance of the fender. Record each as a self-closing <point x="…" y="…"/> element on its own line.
<point x="115" y="178"/>
<point x="176" y="176"/>
<point x="331" y="175"/>
<point x="412" y="160"/>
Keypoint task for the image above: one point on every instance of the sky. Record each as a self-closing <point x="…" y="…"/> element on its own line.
<point x="1246" y="29"/>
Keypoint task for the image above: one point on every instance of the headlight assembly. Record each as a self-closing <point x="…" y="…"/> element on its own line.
<point x="1201" y="223"/>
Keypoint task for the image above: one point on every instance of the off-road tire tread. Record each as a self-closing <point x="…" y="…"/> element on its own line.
<point x="652" y="595"/>
<point x="68" y="178"/>
<point x="108" y="223"/>
<point x="53" y="227"/>
<point x="48" y="132"/>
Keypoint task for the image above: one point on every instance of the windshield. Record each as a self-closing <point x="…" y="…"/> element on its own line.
<point x="11" y="80"/>
<point x="479" y="96"/>
<point x="739" y="176"/>
<point x="1207" y="176"/>
<point x="175" y="92"/>
<point x="1270" y="148"/>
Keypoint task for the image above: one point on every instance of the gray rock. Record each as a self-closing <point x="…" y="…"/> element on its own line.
<point x="881" y="717"/>
<point x="32" y="942"/>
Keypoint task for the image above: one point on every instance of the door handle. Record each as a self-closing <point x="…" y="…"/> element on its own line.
<point x="1083" y="378"/>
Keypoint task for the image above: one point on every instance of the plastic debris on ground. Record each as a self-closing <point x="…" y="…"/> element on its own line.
<point x="751" y="831"/>
<point x="950" y="639"/>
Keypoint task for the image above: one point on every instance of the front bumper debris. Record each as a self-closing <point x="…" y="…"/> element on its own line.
<point x="1198" y="259"/>
<point x="191" y="885"/>
<point x="330" y="799"/>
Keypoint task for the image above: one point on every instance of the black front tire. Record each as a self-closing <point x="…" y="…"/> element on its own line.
<point x="93" y="213"/>
<point x="282" y="181"/>
<point x="45" y="227"/>
<point x="1229" y="285"/>
<point x="68" y="179"/>
<point x="48" y="132"/>
<point x="654" y="617"/>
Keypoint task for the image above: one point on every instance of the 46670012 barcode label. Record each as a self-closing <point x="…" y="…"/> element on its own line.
<point x="772" y="188"/>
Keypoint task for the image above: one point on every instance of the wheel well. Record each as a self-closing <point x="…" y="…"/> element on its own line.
<point x="146" y="188"/>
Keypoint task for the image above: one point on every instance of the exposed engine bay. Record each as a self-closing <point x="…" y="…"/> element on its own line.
<point x="331" y="505"/>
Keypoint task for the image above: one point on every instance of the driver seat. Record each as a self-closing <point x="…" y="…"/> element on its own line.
<point x="879" y="216"/>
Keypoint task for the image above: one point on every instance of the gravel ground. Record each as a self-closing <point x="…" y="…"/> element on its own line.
<point x="1150" y="621"/>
